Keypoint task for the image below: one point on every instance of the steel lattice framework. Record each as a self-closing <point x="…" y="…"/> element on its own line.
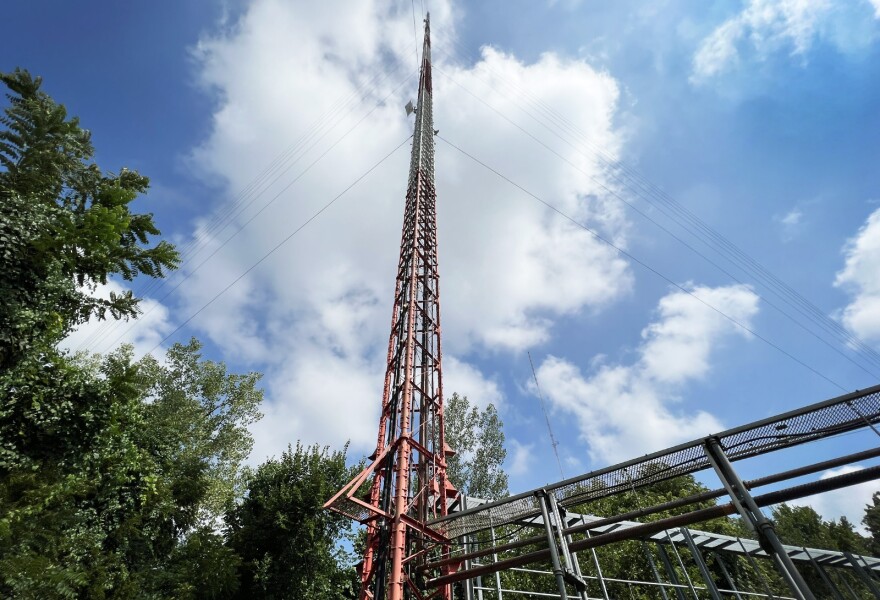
<point x="817" y="421"/>
<point x="407" y="478"/>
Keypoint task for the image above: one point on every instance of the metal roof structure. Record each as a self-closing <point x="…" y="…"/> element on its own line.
<point x="722" y="543"/>
<point x="843" y="414"/>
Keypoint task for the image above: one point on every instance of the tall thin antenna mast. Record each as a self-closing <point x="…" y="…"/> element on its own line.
<point x="406" y="483"/>
<point x="553" y="441"/>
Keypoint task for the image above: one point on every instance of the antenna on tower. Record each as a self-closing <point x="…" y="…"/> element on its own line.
<point x="553" y="441"/>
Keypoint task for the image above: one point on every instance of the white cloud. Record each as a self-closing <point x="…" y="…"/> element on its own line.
<point x="520" y="458"/>
<point x="791" y="224"/>
<point x="316" y="314"/>
<point x="143" y="333"/>
<point x="876" y="4"/>
<point x="466" y="380"/>
<point x="847" y="502"/>
<point x="860" y="277"/>
<point x="792" y="218"/>
<point x="766" y="27"/>
<point x="319" y="397"/>
<point x="627" y="410"/>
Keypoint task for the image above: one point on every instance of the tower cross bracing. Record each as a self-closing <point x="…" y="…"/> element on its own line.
<point x="405" y="486"/>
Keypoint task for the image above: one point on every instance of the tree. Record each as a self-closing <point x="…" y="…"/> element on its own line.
<point x="65" y="226"/>
<point x="478" y="440"/>
<point x="289" y="545"/>
<point x="803" y="526"/>
<point x="131" y="514"/>
<point x="871" y="521"/>
<point x="113" y="473"/>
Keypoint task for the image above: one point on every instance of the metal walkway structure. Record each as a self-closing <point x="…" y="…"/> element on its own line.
<point x="852" y="412"/>
<point x="843" y="414"/>
<point x="713" y="541"/>
<point x="700" y="546"/>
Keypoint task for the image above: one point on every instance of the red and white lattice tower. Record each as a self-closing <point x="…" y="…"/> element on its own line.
<point x="407" y="478"/>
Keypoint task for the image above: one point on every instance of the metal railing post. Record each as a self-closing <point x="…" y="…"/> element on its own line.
<point x="667" y="564"/>
<point x="571" y="570"/>
<point x="599" y="574"/>
<point x="825" y="579"/>
<point x="701" y="564"/>
<point x="751" y="513"/>
<point x="653" y="565"/>
<point x="756" y="569"/>
<point x="863" y="575"/>
<point x="494" y="556"/>
<point x="720" y="562"/>
<point x="551" y="543"/>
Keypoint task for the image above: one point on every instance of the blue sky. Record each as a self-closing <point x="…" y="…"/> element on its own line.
<point x="759" y="117"/>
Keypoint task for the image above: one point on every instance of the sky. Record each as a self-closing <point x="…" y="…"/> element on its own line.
<point x="723" y="156"/>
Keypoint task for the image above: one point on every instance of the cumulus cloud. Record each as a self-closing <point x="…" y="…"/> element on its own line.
<point x="143" y="333"/>
<point x="848" y="502"/>
<point x="766" y="27"/>
<point x="859" y="277"/>
<point x="466" y="380"/>
<point x="624" y="410"/>
<point x="315" y="315"/>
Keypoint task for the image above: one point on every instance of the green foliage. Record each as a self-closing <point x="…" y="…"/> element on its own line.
<point x="198" y="421"/>
<point x="65" y="226"/>
<point x="121" y="507"/>
<point x="112" y="473"/>
<point x="478" y="439"/>
<point x="803" y="526"/>
<point x="286" y="540"/>
<point x="202" y="566"/>
<point x="871" y="521"/>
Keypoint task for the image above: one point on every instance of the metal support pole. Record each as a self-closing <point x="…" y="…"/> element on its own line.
<point x="852" y="593"/>
<point x="752" y="514"/>
<point x="653" y="565"/>
<point x="571" y="570"/>
<point x="468" y="584"/>
<point x="865" y="564"/>
<point x="599" y="574"/>
<point x="684" y="570"/>
<point x="720" y="562"/>
<point x="551" y="542"/>
<point x="667" y="564"/>
<point x="494" y="557"/>
<point x="827" y="580"/>
<point x="701" y="564"/>
<point x="756" y="569"/>
<point x="863" y="575"/>
<point x="576" y="566"/>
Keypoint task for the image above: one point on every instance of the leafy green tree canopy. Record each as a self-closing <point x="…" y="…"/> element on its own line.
<point x="478" y="440"/>
<point x="129" y="512"/>
<point x="288" y="543"/>
<point x="65" y="226"/>
<point x="871" y="521"/>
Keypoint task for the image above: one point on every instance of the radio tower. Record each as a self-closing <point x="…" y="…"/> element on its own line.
<point x="407" y="478"/>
